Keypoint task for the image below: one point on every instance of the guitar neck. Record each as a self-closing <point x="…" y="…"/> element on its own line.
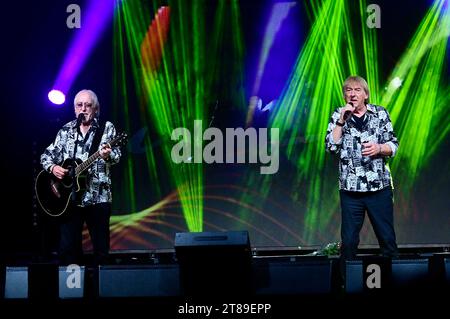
<point x="118" y="140"/>
<point x="85" y="165"/>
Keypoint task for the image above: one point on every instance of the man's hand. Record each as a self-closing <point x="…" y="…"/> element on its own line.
<point x="59" y="171"/>
<point x="105" y="151"/>
<point x="347" y="107"/>
<point x="371" y="149"/>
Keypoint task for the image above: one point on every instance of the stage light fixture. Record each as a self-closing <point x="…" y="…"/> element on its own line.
<point x="56" y="97"/>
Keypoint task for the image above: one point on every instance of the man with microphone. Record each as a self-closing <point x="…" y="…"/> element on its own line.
<point x="363" y="136"/>
<point x="79" y="139"/>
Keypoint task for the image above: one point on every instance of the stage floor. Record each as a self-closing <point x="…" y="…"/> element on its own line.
<point x="267" y="283"/>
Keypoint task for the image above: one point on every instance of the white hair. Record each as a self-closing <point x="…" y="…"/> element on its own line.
<point x="94" y="98"/>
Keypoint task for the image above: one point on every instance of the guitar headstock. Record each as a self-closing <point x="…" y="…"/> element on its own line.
<point x="119" y="140"/>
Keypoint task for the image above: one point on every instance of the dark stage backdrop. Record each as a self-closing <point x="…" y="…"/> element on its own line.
<point x="161" y="65"/>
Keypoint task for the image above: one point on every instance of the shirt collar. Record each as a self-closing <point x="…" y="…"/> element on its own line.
<point x="93" y="125"/>
<point x="371" y="108"/>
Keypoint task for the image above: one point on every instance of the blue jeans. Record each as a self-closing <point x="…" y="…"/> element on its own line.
<point x="380" y="209"/>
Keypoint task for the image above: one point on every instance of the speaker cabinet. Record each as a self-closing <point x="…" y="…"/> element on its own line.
<point x="401" y="274"/>
<point x="139" y="281"/>
<point x="71" y="281"/>
<point x="16" y="283"/>
<point x="214" y="263"/>
<point x="289" y="276"/>
<point x="410" y="274"/>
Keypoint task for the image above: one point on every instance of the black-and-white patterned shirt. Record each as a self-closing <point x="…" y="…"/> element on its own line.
<point x="356" y="172"/>
<point x="98" y="183"/>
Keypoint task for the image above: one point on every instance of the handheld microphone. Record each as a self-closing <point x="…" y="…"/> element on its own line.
<point x="80" y="119"/>
<point x="347" y="114"/>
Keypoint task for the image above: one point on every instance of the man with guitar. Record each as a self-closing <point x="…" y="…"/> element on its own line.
<point x="82" y="147"/>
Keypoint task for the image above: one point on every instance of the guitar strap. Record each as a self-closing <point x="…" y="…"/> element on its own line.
<point x="97" y="137"/>
<point x="94" y="147"/>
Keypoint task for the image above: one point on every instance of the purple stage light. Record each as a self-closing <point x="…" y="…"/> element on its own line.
<point x="280" y="46"/>
<point x="56" y="97"/>
<point x="94" y="20"/>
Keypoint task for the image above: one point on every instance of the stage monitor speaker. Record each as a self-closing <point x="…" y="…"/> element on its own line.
<point x="368" y="275"/>
<point x="402" y="274"/>
<point x="71" y="281"/>
<point x="214" y="263"/>
<point x="139" y="281"/>
<point x="213" y="247"/>
<point x="237" y="241"/>
<point x="354" y="277"/>
<point x="16" y="283"/>
<point x="410" y="274"/>
<point x="282" y="276"/>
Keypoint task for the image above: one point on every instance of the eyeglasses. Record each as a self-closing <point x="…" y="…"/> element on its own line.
<point x="80" y="105"/>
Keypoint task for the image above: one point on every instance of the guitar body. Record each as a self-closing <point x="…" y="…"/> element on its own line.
<point x="54" y="194"/>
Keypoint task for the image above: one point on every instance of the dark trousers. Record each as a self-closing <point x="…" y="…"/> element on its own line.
<point x="71" y="227"/>
<point x="380" y="209"/>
